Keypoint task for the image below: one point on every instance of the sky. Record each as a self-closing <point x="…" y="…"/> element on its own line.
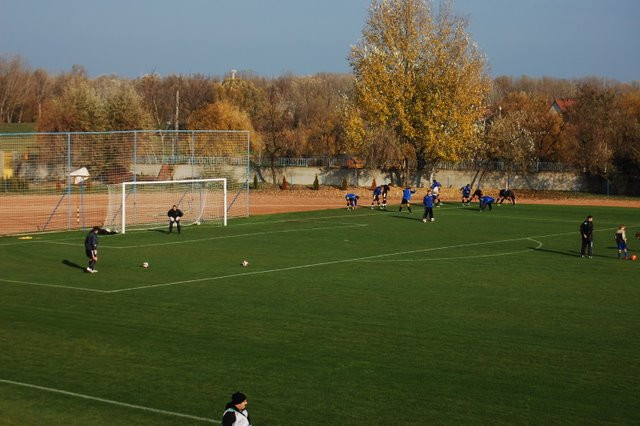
<point x="130" y="38"/>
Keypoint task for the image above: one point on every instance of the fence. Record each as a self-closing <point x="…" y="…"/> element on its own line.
<point x="536" y="166"/>
<point x="58" y="181"/>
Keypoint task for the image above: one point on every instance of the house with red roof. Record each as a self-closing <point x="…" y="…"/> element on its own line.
<point x="560" y="106"/>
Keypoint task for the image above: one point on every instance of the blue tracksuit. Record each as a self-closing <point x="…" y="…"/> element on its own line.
<point x="406" y="194"/>
<point x="486" y="201"/>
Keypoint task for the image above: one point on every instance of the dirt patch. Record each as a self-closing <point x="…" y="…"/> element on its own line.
<point x="30" y="213"/>
<point x="267" y="201"/>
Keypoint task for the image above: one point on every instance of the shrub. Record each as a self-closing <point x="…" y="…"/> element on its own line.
<point x="316" y="184"/>
<point x="344" y="184"/>
<point x="374" y="184"/>
<point x="285" y="184"/>
<point x="255" y="181"/>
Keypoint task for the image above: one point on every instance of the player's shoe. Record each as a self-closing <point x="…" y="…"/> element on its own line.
<point x="433" y="219"/>
<point x="93" y="271"/>
<point x="424" y="220"/>
<point x="371" y="207"/>
<point x="88" y="269"/>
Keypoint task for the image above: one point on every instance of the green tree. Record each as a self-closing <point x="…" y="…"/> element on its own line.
<point x="419" y="74"/>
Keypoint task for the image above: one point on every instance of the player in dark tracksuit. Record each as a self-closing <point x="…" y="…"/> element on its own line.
<point x="477" y="193"/>
<point x="506" y="194"/>
<point x="586" y="236"/>
<point x="385" y="192"/>
<point x="174" y="214"/>
<point x="91" y="249"/>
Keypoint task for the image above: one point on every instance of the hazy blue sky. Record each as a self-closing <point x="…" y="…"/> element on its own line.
<point x="558" y="38"/>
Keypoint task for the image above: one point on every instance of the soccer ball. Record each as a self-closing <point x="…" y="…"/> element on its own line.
<point x="145" y="264"/>
<point x="634" y="257"/>
<point x="245" y="263"/>
<point x="198" y="223"/>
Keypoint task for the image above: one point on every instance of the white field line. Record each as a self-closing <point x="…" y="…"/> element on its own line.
<point x="338" y="261"/>
<point x="93" y="290"/>
<point x="477" y="256"/>
<point x="109" y="401"/>
<point x="220" y="237"/>
<point x="290" y="268"/>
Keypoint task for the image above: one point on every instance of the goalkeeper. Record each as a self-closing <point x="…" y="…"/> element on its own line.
<point x="174" y="217"/>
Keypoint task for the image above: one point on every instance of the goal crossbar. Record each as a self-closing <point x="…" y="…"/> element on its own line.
<point x="124" y="186"/>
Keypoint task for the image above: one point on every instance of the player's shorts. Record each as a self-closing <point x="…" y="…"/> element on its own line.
<point x="91" y="253"/>
<point x="467" y="195"/>
<point x="622" y="245"/>
<point x="376" y="198"/>
<point x="404" y="201"/>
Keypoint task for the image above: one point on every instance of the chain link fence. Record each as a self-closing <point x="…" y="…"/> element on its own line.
<point x="59" y="181"/>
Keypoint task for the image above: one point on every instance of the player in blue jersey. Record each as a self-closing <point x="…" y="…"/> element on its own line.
<point x="428" y="207"/>
<point x="377" y="191"/>
<point x="486" y="201"/>
<point x="406" y="198"/>
<point x="435" y="191"/>
<point x="352" y="201"/>
<point x="466" y="194"/>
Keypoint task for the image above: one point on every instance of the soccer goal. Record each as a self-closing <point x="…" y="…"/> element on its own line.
<point x="144" y="205"/>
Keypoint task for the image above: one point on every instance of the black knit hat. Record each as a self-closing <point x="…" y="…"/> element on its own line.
<point x="238" y="398"/>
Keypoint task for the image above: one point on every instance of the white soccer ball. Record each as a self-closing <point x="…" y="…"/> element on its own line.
<point x="198" y="223"/>
<point x="145" y="264"/>
<point x="245" y="263"/>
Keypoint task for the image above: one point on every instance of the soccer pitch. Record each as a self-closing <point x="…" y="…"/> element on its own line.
<point x="360" y="318"/>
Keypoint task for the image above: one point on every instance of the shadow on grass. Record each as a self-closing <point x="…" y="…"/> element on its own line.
<point x="570" y="253"/>
<point x="162" y="231"/>
<point x="417" y="217"/>
<point x="73" y="264"/>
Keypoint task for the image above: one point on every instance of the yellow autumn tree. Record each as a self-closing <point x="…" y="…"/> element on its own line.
<point x="221" y="116"/>
<point x="418" y="73"/>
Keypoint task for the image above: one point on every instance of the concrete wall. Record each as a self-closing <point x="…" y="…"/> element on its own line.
<point x="561" y="181"/>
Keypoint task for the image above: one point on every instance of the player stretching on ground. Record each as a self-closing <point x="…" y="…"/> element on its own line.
<point x="385" y="191"/>
<point x="435" y="190"/>
<point x="352" y="201"/>
<point x="174" y="217"/>
<point x="428" y="207"/>
<point x="466" y="194"/>
<point x="621" y="240"/>
<point x="91" y="249"/>
<point x="506" y="194"/>
<point x="486" y="201"/>
<point x="376" y="196"/>
<point x="406" y="199"/>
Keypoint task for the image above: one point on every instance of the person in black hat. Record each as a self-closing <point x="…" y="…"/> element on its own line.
<point x="236" y="413"/>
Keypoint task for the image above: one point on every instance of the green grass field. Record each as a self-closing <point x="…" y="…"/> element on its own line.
<point x="351" y="318"/>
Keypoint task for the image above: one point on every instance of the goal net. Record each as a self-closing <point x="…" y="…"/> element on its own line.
<point x="144" y="205"/>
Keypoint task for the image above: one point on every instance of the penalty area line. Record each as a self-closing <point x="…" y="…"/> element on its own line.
<point x="330" y="262"/>
<point x="476" y="256"/>
<point x="68" y="287"/>
<point x="108" y="401"/>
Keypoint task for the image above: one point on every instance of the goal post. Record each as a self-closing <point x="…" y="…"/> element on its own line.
<point x="144" y="204"/>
